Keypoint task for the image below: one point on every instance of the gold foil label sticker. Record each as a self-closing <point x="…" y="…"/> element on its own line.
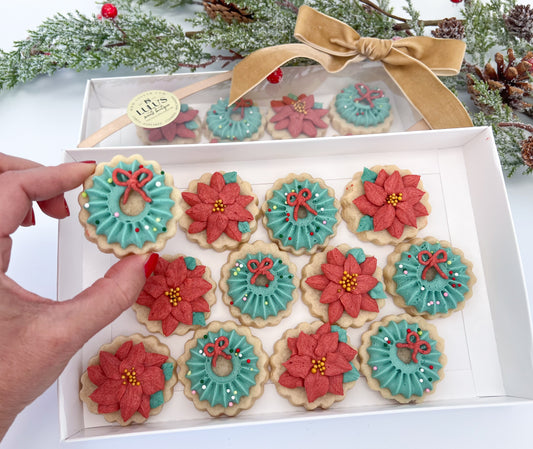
<point x="153" y="108"/>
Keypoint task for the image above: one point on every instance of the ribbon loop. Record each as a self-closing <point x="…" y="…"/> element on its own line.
<point x="433" y="261"/>
<point x="132" y="182"/>
<point x="413" y="342"/>
<point x="262" y="267"/>
<point x="215" y="349"/>
<point x="297" y="199"/>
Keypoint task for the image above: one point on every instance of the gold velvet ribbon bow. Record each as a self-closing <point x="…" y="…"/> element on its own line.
<point x="413" y="63"/>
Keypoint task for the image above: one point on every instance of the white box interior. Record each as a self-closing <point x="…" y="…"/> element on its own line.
<point x="488" y="345"/>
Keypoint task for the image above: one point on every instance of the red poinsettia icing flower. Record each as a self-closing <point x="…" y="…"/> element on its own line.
<point x="393" y="201"/>
<point x="126" y="380"/>
<point x="298" y="116"/>
<point x="175" y="128"/>
<point x="218" y="208"/>
<point x="345" y="285"/>
<point x="174" y="292"/>
<point x="317" y="363"/>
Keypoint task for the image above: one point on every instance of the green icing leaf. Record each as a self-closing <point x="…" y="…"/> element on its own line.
<point x="292" y="96"/>
<point x="190" y="263"/>
<point x="244" y="226"/>
<point x="230" y="177"/>
<point x="366" y="223"/>
<point x="342" y="333"/>
<point x="191" y="124"/>
<point x="317" y="106"/>
<point x="377" y="292"/>
<point x="168" y="370"/>
<point x="184" y="107"/>
<point x="368" y="175"/>
<point x="358" y="253"/>
<point x="198" y="318"/>
<point x="157" y="399"/>
<point x="351" y="375"/>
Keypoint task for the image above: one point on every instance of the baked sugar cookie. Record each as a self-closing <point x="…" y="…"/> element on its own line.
<point x="429" y="277"/>
<point x="129" y="380"/>
<point x="402" y="357"/>
<point x="314" y="365"/>
<point x="385" y="205"/>
<point x="129" y="205"/>
<point x="343" y="286"/>
<point x="223" y="369"/>
<point x="259" y="284"/>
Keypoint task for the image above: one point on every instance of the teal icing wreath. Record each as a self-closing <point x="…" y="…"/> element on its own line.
<point x="226" y="390"/>
<point x="114" y="185"/>
<point x="260" y="285"/>
<point x="362" y="106"/>
<point x="221" y="123"/>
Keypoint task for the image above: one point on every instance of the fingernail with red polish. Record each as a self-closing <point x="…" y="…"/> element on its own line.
<point x="32" y="218"/>
<point x="66" y="207"/>
<point x="88" y="162"/>
<point x="150" y="264"/>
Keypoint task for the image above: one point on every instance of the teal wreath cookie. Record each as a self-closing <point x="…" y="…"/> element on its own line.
<point x="402" y="358"/>
<point x="259" y="284"/>
<point x="301" y="213"/>
<point x="360" y="109"/>
<point x="129" y="205"/>
<point x="223" y="368"/>
<point x="429" y="277"/>
<point x="242" y="121"/>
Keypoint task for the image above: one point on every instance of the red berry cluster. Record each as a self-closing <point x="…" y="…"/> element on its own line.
<point x="275" y="76"/>
<point x="109" y="11"/>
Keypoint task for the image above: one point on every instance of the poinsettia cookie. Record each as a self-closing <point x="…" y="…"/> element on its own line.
<point x="314" y="365"/>
<point x="360" y="109"/>
<point x="343" y="286"/>
<point x="385" y="205"/>
<point x="297" y="116"/>
<point x="429" y="277"/>
<point x="223" y="369"/>
<point x="129" y="205"/>
<point x="185" y="128"/>
<point x="241" y="121"/>
<point x="259" y="284"/>
<point x="301" y="213"/>
<point x="177" y="297"/>
<point x="220" y="211"/>
<point x="129" y="380"/>
<point x="402" y="357"/>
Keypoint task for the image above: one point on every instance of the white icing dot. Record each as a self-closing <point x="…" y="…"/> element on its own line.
<point x="203" y="387"/>
<point x="456" y="274"/>
<point x="228" y="391"/>
<point x="240" y="355"/>
<point x="422" y="288"/>
<point x="86" y="205"/>
<point x="233" y="397"/>
<point x="146" y="227"/>
<point x="386" y="339"/>
<point x="421" y="370"/>
<point x="421" y="380"/>
<point x="316" y="195"/>
<point x="158" y="184"/>
<point x="400" y="266"/>
<point x="321" y="209"/>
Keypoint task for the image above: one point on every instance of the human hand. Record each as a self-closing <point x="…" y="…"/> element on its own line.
<point x="38" y="336"/>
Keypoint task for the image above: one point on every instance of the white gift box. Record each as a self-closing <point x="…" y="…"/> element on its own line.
<point x="488" y="344"/>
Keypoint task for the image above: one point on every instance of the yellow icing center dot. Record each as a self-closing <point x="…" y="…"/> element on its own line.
<point x="174" y="296"/>
<point x="130" y="376"/>
<point x="218" y="206"/>
<point x="299" y="106"/>
<point x="394" y="199"/>
<point x="348" y="281"/>
<point x="319" y="366"/>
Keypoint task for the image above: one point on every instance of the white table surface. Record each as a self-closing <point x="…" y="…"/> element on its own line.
<point x="40" y="119"/>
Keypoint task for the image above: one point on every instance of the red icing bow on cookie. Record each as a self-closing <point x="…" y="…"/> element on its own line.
<point x="433" y="261"/>
<point x="413" y="342"/>
<point x="262" y="267"/>
<point x="133" y="183"/>
<point x="217" y="348"/>
<point x="367" y="94"/>
<point x="297" y="199"/>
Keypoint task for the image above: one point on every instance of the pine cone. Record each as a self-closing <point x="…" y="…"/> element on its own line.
<point x="519" y="22"/>
<point x="527" y="151"/>
<point x="449" y="29"/>
<point x="511" y="80"/>
<point x="228" y="11"/>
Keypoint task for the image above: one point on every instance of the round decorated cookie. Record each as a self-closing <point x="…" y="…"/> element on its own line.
<point x="402" y="357"/>
<point x="223" y="369"/>
<point x="301" y="213"/>
<point x="385" y="205"/>
<point x="314" y="365"/>
<point x="259" y="284"/>
<point x="185" y="128"/>
<point x="360" y="109"/>
<point x="242" y="121"/>
<point x="129" y="380"/>
<point x="177" y="297"/>
<point x="343" y="285"/>
<point x="429" y="277"/>
<point x="297" y="116"/>
<point x="129" y="205"/>
<point x="220" y="211"/>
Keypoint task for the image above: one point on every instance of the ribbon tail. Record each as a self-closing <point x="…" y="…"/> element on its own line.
<point x="253" y="69"/>
<point x="439" y="107"/>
